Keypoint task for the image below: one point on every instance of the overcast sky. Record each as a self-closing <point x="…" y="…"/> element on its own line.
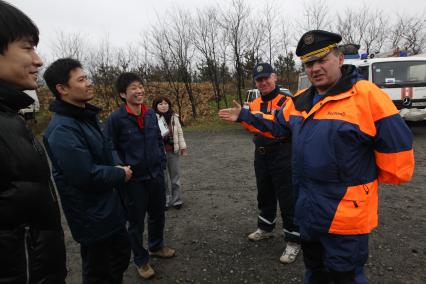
<point x="124" y="20"/>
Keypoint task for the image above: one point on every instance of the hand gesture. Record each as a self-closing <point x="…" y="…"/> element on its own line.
<point x="230" y="114"/>
<point x="127" y="171"/>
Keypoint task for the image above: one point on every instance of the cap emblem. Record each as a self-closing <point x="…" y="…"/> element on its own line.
<point x="259" y="68"/>
<point x="308" y="39"/>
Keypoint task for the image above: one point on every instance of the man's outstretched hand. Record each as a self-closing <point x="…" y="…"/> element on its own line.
<point x="230" y="114"/>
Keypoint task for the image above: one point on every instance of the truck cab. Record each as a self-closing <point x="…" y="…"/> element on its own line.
<point x="29" y="112"/>
<point x="403" y="79"/>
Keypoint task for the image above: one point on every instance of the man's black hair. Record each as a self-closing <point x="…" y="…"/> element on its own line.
<point x="59" y="73"/>
<point x="124" y="80"/>
<point x="14" y="26"/>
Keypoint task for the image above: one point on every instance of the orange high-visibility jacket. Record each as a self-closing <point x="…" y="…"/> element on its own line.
<point x="343" y="147"/>
<point x="270" y="107"/>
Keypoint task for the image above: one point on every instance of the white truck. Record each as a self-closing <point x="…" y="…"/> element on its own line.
<point x="402" y="78"/>
<point x="30" y="111"/>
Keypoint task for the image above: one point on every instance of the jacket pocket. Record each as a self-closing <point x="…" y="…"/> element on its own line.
<point x="357" y="210"/>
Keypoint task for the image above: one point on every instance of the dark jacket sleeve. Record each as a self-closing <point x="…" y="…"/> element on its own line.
<point x="270" y="126"/>
<point x="111" y="132"/>
<point x="393" y="141"/>
<point x="74" y="159"/>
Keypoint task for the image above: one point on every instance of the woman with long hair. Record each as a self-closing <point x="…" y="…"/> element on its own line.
<point x="175" y="146"/>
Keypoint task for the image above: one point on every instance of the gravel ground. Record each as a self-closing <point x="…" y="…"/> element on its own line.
<point x="220" y="210"/>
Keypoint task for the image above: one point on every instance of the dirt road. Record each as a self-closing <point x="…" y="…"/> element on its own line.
<point x="210" y="231"/>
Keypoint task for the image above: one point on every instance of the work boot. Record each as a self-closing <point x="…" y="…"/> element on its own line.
<point x="259" y="234"/>
<point x="146" y="271"/>
<point x="164" y="252"/>
<point x="290" y="253"/>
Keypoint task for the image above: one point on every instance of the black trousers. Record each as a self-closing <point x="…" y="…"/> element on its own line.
<point x="104" y="262"/>
<point x="273" y="179"/>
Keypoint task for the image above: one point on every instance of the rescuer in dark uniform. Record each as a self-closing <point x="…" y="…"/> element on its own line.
<point x="272" y="168"/>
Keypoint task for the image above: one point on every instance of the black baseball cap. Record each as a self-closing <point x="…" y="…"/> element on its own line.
<point x="262" y="70"/>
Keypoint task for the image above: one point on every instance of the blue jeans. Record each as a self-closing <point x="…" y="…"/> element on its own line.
<point x="146" y="196"/>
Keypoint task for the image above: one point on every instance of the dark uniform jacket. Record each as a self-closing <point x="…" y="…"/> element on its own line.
<point x="84" y="172"/>
<point x="267" y="104"/>
<point x="143" y="149"/>
<point x="31" y="238"/>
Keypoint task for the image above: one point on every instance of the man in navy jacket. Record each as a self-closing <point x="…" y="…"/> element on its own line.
<point x="85" y="174"/>
<point x="135" y="133"/>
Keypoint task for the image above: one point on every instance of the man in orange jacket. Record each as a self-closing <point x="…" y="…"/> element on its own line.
<point x="272" y="166"/>
<point x="347" y="137"/>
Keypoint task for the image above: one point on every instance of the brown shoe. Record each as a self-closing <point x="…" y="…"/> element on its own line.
<point x="164" y="252"/>
<point x="146" y="271"/>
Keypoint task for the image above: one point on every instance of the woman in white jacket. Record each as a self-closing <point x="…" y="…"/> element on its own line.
<point x="174" y="144"/>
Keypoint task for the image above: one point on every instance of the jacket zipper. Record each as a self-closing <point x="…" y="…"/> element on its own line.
<point x="43" y="154"/>
<point x="366" y="189"/>
<point x="27" y="255"/>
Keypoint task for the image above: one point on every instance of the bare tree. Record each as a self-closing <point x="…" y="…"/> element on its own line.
<point x="365" y="27"/>
<point x="234" y="21"/>
<point x="409" y="33"/>
<point x="178" y="38"/>
<point x="69" y="45"/>
<point x="206" y="37"/>
<point x="124" y="58"/>
<point x="167" y="62"/>
<point x="143" y="63"/>
<point x="396" y="33"/>
<point x="270" y="26"/>
<point x="223" y="60"/>
<point x="285" y="56"/>
<point x="351" y="25"/>
<point x="103" y="71"/>
<point x="254" y="47"/>
<point x="375" y="34"/>
<point x="316" y="16"/>
<point x="256" y="38"/>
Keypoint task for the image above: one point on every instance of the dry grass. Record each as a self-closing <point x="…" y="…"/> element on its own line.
<point x="207" y="118"/>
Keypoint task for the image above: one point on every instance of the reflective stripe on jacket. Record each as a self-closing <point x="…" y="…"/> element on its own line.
<point x="343" y="146"/>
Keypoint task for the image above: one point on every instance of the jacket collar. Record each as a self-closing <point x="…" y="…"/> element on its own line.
<point x="350" y="75"/>
<point x="271" y="95"/>
<point x="13" y="99"/>
<point x="60" y="107"/>
<point x="122" y="110"/>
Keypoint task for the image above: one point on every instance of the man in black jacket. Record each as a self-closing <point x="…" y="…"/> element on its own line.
<point x="31" y="238"/>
